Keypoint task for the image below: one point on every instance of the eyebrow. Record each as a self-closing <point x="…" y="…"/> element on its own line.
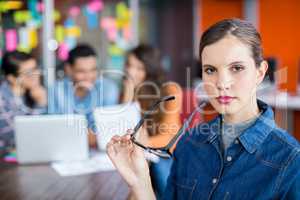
<point x="232" y="63"/>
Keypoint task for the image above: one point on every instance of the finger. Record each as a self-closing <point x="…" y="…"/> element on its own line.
<point x="111" y="151"/>
<point x="116" y="138"/>
<point x="129" y="131"/>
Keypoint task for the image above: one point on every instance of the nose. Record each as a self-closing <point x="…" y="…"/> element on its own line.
<point x="224" y="82"/>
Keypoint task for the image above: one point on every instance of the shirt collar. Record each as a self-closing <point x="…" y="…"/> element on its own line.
<point x="255" y="135"/>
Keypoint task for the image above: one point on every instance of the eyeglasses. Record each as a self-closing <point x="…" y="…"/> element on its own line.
<point x="30" y="72"/>
<point x="163" y="152"/>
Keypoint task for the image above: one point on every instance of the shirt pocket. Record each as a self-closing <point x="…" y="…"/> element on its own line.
<point x="184" y="188"/>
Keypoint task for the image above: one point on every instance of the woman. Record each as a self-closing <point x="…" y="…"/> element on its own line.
<point x="241" y="154"/>
<point x="145" y="83"/>
<point x="21" y="93"/>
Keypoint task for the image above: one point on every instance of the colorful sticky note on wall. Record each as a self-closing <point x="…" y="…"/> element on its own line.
<point x="95" y="6"/>
<point x="33" y="38"/>
<point x="73" y="31"/>
<point x="11" y="39"/>
<point x="59" y="33"/>
<point x="114" y="50"/>
<point x="92" y="19"/>
<point x="70" y="42"/>
<point x="56" y="16"/>
<point x="63" y="52"/>
<point x="22" y="16"/>
<point x="10" y="5"/>
<point x="112" y="34"/>
<point x="40" y="6"/>
<point x="74" y="11"/>
<point x="69" y="23"/>
<point x="127" y="33"/>
<point x="32" y="5"/>
<point x="108" y="22"/>
<point x="23" y="38"/>
<point x="122" y="11"/>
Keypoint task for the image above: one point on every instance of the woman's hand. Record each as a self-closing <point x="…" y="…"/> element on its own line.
<point x="128" y="91"/>
<point x="39" y="95"/>
<point x="132" y="165"/>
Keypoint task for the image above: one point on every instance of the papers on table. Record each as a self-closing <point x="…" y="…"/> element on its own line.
<point x="97" y="163"/>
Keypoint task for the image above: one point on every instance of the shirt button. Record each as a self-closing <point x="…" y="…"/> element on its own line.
<point x="229" y="158"/>
<point x="214" y="181"/>
<point x="236" y="141"/>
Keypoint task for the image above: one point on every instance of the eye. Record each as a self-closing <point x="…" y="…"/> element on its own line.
<point x="237" y="68"/>
<point x="209" y="70"/>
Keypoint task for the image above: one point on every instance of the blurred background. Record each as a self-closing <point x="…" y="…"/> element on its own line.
<point x="50" y="28"/>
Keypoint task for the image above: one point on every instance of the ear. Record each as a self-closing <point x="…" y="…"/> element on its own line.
<point x="261" y="72"/>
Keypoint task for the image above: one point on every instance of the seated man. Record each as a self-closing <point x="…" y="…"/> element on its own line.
<point x="82" y="91"/>
<point x="21" y="93"/>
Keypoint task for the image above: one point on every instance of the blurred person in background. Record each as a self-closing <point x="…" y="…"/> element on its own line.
<point x="21" y="93"/>
<point x="145" y="83"/>
<point x="83" y="89"/>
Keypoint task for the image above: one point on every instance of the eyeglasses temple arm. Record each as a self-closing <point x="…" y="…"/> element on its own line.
<point x="185" y="126"/>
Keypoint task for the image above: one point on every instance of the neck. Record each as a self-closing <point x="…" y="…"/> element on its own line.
<point x="80" y="92"/>
<point x="247" y="113"/>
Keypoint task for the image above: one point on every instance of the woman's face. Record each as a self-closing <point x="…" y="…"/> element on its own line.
<point x="135" y="69"/>
<point x="230" y="76"/>
<point x="29" y="74"/>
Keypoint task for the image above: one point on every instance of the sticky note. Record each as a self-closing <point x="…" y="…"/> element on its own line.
<point x="33" y="38"/>
<point x="32" y="5"/>
<point x="127" y="33"/>
<point x="122" y="11"/>
<point x="59" y="33"/>
<point x="40" y="6"/>
<point x="69" y="23"/>
<point x="73" y="31"/>
<point x="74" y="11"/>
<point x="10" y="5"/>
<point x="108" y="22"/>
<point x="56" y="16"/>
<point x="11" y="39"/>
<point x="92" y="19"/>
<point x="122" y="43"/>
<point x="23" y="38"/>
<point x="114" y="50"/>
<point x="112" y="34"/>
<point x="70" y="42"/>
<point x="95" y="6"/>
<point x="22" y="16"/>
<point x="63" y="52"/>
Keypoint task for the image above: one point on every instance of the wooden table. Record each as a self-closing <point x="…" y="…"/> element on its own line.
<point x="40" y="182"/>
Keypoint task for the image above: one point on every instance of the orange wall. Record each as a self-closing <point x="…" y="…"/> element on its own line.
<point x="215" y="10"/>
<point x="280" y="31"/>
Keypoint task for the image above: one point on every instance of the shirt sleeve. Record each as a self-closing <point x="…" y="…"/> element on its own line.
<point x="289" y="188"/>
<point x="111" y="92"/>
<point x="294" y="190"/>
<point x="6" y="125"/>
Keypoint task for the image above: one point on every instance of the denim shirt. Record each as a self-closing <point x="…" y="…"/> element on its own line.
<point x="262" y="163"/>
<point x="62" y="99"/>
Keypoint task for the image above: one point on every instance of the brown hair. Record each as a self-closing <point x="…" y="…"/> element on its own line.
<point x="241" y="29"/>
<point x="147" y="94"/>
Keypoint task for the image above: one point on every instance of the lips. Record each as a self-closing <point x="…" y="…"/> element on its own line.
<point x="225" y="99"/>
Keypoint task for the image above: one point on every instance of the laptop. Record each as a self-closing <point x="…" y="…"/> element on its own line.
<point x="115" y="120"/>
<point x="47" y="138"/>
